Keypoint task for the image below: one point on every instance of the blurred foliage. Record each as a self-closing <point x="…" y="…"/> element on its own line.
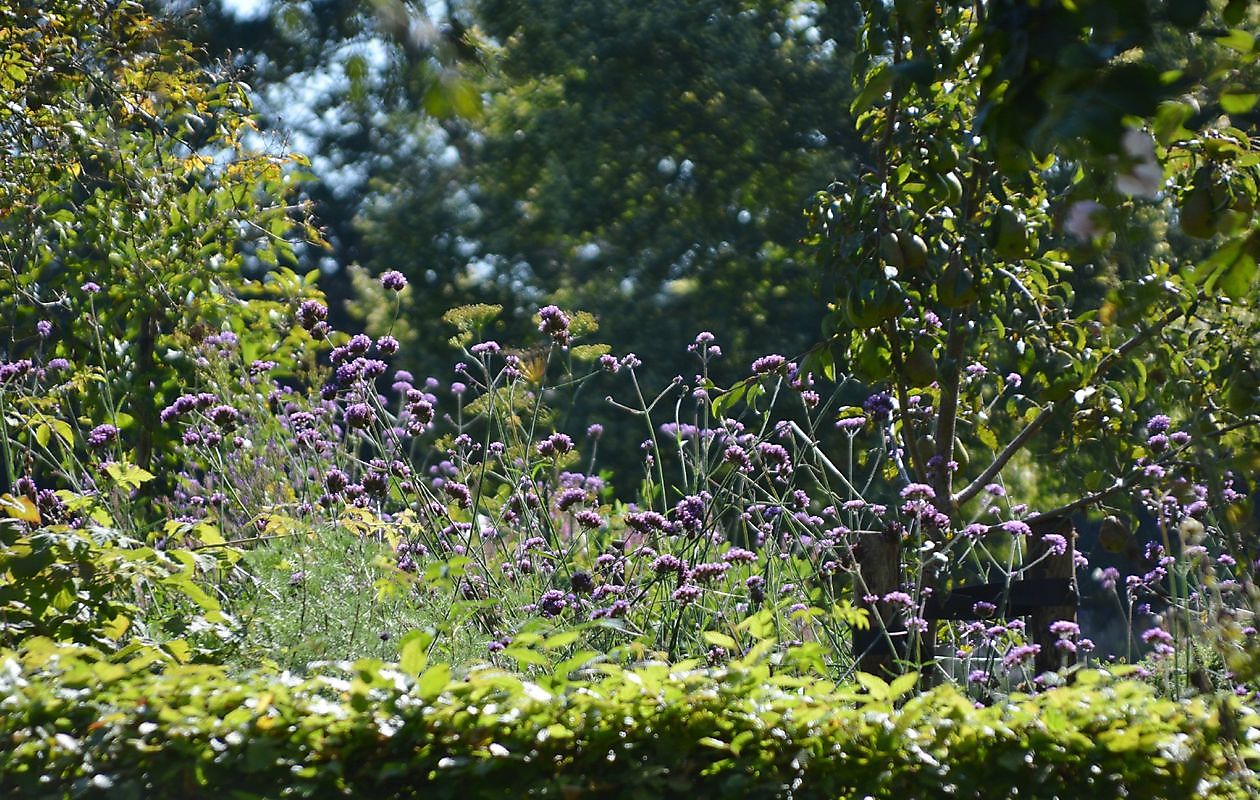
<point x="369" y="90"/>
<point x="647" y="164"/>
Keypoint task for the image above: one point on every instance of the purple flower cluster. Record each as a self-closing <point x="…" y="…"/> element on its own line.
<point x="10" y="370"/>
<point x="311" y="313"/>
<point x="554" y="445"/>
<point x="878" y="405"/>
<point x="769" y="364"/>
<point x="393" y="280"/>
<point x="554" y="323"/>
<point x="553" y="603"/>
<point x="102" y="435"/>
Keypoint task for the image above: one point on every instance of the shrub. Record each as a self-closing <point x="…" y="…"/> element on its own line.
<point x="73" y="726"/>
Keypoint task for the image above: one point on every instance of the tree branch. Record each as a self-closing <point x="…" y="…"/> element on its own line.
<point x="1008" y="452"/>
<point x="1105" y="365"/>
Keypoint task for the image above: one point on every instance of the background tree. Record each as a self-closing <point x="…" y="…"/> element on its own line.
<point x="644" y="163"/>
<point x="363" y="88"/>
<point x="132" y="201"/>
<point x="1006" y="136"/>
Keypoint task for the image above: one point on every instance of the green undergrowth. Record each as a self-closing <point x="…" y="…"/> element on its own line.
<point x="75" y="726"/>
<point x="331" y="593"/>
<point x="322" y="595"/>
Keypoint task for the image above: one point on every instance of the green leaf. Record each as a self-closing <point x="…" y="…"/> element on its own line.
<point x="555" y="731"/>
<point x="721" y="640"/>
<point x="192" y="591"/>
<point x="986" y="436"/>
<point x="414" y="652"/>
<point x="1238" y="40"/>
<point x="724" y="402"/>
<point x="1235" y="281"/>
<point x="116" y="627"/>
<point x="878" y="82"/>
<point x="209" y="534"/>
<point x="1238" y="102"/>
<point x="63" y="430"/>
<point x="580" y="660"/>
<point x="741" y="740"/>
<point x="433" y="681"/>
<point x="178" y="649"/>
<point x="902" y="684"/>
<point x="876" y="687"/>
<point x="19" y="508"/>
<point x="560" y="640"/>
<point x="128" y="476"/>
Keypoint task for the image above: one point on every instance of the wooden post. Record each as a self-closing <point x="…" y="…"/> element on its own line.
<point x="1051" y="565"/>
<point x="879" y="564"/>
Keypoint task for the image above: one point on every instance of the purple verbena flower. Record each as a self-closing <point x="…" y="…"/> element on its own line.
<point x="703" y="573"/>
<point x="1055" y="543"/>
<point x="459" y="493"/>
<point x="224" y="416"/>
<point x="102" y="435"/>
<point x="311" y="312"/>
<point x="555" y="444"/>
<point x="567" y="498"/>
<point x="552" y="603"/>
<point x="769" y="364"/>
<point x="1020" y="654"/>
<point x="359" y="415"/>
<point x="687" y="594"/>
<point x="554" y="323"/>
<point x="738" y="555"/>
<point x="1065" y="628"/>
<point x="589" y="519"/>
<point x="359" y="344"/>
<point x="1017" y="528"/>
<point x="878" y="405"/>
<point x="918" y="491"/>
<point x="666" y="563"/>
<point x="393" y="280"/>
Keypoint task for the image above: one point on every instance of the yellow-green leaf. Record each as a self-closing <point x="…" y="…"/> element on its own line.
<point x="721" y="640"/>
<point x="414" y="655"/>
<point x="19" y="508"/>
<point x="433" y="681"/>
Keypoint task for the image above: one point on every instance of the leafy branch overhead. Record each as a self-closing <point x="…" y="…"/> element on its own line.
<point x="1013" y="145"/>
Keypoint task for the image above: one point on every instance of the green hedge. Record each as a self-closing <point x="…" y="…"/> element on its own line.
<point x="74" y="727"/>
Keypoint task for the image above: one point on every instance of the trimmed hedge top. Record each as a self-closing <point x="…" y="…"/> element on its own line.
<point x="75" y="726"/>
